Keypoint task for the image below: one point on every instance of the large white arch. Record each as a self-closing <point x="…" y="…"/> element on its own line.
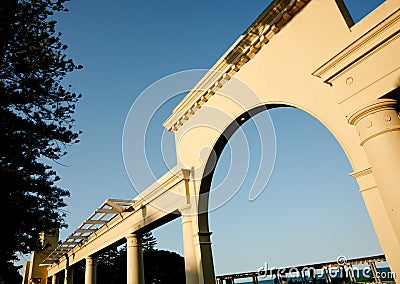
<point x="305" y="55"/>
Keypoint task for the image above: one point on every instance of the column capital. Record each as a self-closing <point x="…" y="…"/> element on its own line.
<point x="134" y="240"/>
<point x="375" y="118"/>
<point x="371" y="108"/>
<point x="133" y="236"/>
<point x="91" y="259"/>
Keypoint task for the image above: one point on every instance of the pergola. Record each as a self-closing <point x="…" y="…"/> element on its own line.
<point x="99" y="218"/>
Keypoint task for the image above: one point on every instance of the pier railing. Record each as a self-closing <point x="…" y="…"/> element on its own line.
<point x="347" y="271"/>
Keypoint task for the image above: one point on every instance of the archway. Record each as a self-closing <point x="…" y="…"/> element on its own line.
<point x="290" y="57"/>
<point x="201" y="191"/>
<point x="310" y="210"/>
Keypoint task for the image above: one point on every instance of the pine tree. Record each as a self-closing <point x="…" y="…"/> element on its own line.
<point x="36" y="125"/>
<point x="149" y="241"/>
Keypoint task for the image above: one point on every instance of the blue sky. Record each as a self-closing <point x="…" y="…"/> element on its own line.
<point x="311" y="209"/>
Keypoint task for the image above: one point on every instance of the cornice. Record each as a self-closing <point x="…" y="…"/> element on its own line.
<point x="269" y="23"/>
<point x="361" y="173"/>
<point x="360" y="49"/>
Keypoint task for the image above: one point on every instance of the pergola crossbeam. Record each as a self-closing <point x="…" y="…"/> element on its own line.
<point x="114" y="206"/>
<point x="95" y="222"/>
<point x="88" y="227"/>
<point x="106" y="211"/>
<point x="85" y="230"/>
<point x="77" y="237"/>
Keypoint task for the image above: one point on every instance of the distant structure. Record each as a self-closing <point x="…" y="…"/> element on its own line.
<point x="340" y="271"/>
<point x="306" y="54"/>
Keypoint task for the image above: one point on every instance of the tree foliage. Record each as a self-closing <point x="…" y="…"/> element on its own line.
<point x="149" y="242"/>
<point x="161" y="266"/>
<point x="36" y="124"/>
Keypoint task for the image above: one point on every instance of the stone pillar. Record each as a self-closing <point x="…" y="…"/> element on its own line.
<point x="202" y="245"/>
<point x="54" y="279"/>
<point x="378" y="126"/>
<point x="90" y="270"/>
<point x="191" y="265"/>
<point x="69" y="276"/>
<point x="199" y="264"/>
<point x="134" y="259"/>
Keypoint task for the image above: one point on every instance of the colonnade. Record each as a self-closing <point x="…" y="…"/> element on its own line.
<point x="197" y="249"/>
<point x="135" y="267"/>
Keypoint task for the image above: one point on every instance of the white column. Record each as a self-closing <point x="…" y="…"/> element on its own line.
<point x="69" y="276"/>
<point x="191" y="267"/>
<point x="199" y="263"/>
<point x="202" y="245"/>
<point x="90" y="270"/>
<point x="54" y="279"/>
<point x="378" y="126"/>
<point x="134" y="259"/>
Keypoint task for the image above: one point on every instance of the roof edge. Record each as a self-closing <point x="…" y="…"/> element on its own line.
<point x="267" y="24"/>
